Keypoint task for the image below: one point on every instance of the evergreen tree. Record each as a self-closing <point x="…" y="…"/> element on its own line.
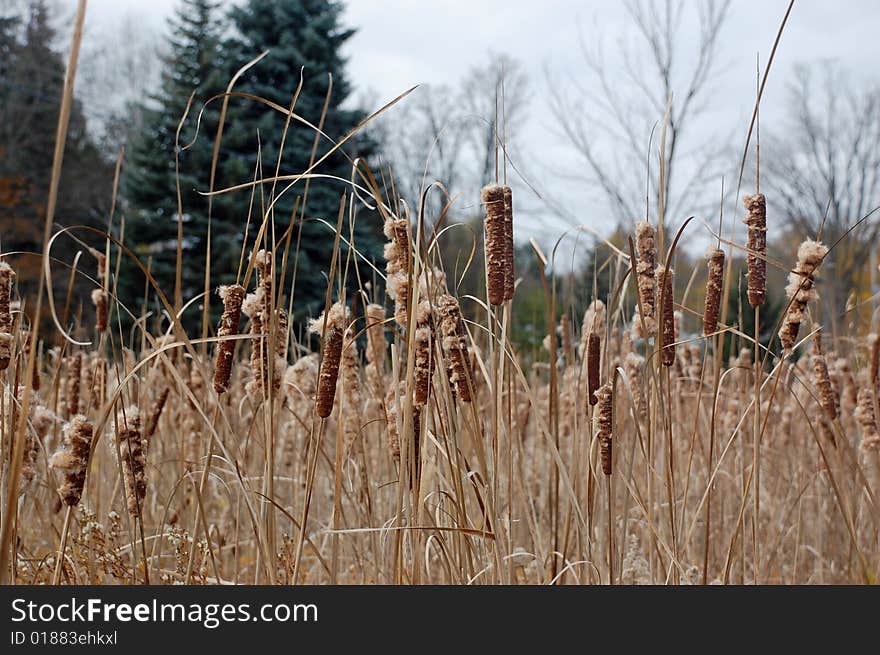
<point x="31" y="86"/>
<point x="308" y="35"/>
<point x="194" y="63"/>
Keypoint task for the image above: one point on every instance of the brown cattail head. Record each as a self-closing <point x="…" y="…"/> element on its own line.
<point x="864" y="415"/>
<point x="822" y="381"/>
<point x="99" y="299"/>
<point x="455" y="345"/>
<point x="498" y="268"/>
<point x="594" y="353"/>
<point x="714" y="282"/>
<point x="336" y="321"/>
<point x="133" y="457"/>
<point x="800" y="290"/>
<point x="392" y="404"/>
<point x="74" y="375"/>
<point x="667" y="312"/>
<point x="282" y="333"/>
<point x="509" y="252"/>
<point x="232" y="296"/>
<point x="604" y="421"/>
<point x="376" y="344"/>
<point x="646" y="250"/>
<point x="6" y="277"/>
<point x="73" y="459"/>
<point x="155" y="414"/>
<point x="423" y="368"/>
<point x="756" y="220"/>
<point x="397" y="254"/>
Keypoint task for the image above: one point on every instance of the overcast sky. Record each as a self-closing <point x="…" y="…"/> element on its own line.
<point x="400" y="43"/>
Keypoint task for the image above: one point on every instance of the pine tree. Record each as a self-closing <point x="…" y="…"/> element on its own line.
<point x="307" y="35"/>
<point x="194" y="64"/>
<point x="31" y="86"/>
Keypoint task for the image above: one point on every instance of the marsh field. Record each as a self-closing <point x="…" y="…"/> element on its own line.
<point x="398" y="387"/>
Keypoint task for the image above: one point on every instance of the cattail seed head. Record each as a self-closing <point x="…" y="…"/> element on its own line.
<point x="822" y="382"/>
<point x="73" y="459"/>
<point x="874" y="366"/>
<point x="714" y="282"/>
<point x="336" y="320"/>
<point x="594" y="353"/>
<point x="74" y="375"/>
<point x="667" y="311"/>
<point x="6" y="277"/>
<point x="455" y="345"/>
<point x="423" y="368"/>
<point x="498" y="268"/>
<point x="376" y="344"/>
<point x="646" y="251"/>
<point x="756" y="220"/>
<point x="232" y="297"/>
<point x="865" y="417"/>
<point x="133" y="457"/>
<point x="397" y="255"/>
<point x="604" y="422"/>
<point x="800" y="290"/>
<point x="155" y="414"/>
<point x="351" y="391"/>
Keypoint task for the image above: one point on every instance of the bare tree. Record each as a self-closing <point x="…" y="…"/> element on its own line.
<point x="607" y="117"/>
<point x="449" y="134"/>
<point x="823" y="171"/>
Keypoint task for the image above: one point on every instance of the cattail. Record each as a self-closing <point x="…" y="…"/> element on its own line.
<point x="282" y="333"/>
<point x="154" y="416"/>
<point x="73" y="459"/>
<point x="392" y="400"/>
<point x="336" y="319"/>
<point x="455" y="345"/>
<point x="351" y="391"/>
<point x="423" y="352"/>
<point x="74" y="374"/>
<point x="646" y="250"/>
<point x="301" y="378"/>
<point x="864" y="415"/>
<point x="667" y="315"/>
<point x="594" y="352"/>
<point x="252" y="306"/>
<point x="509" y="273"/>
<point x="397" y="254"/>
<point x="714" y="283"/>
<point x="874" y="366"/>
<point x="756" y="220"/>
<point x="6" y="276"/>
<point x="633" y="366"/>
<point x="604" y="419"/>
<point x="822" y="381"/>
<point x="593" y="323"/>
<point x="376" y="344"/>
<point x="800" y="290"/>
<point x="232" y="297"/>
<point x="498" y="267"/>
<point x="133" y="457"/>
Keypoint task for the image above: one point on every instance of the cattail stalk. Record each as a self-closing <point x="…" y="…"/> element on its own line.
<point x="498" y="266"/>
<point x="232" y="297"/>
<point x="756" y="220"/>
<point x="336" y="319"/>
<point x="714" y="283"/>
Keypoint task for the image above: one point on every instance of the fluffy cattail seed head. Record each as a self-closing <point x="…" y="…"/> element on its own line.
<point x="864" y="415"/>
<point x="756" y="220"/>
<point x="73" y="459"/>
<point x="455" y="345"/>
<point x="133" y="457"/>
<point x="646" y="251"/>
<point x="423" y="368"/>
<point x="800" y="290"/>
<point x="336" y="321"/>
<point x="498" y="268"/>
<point x="714" y="282"/>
